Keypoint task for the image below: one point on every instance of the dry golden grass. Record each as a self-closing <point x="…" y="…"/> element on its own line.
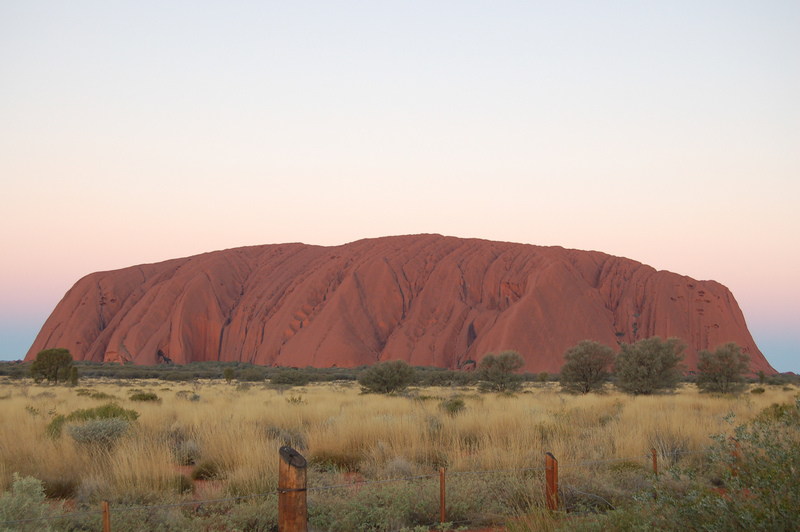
<point x="237" y="433"/>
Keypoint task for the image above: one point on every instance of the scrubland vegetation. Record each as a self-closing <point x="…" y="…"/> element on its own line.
<point x="210" y="439"/>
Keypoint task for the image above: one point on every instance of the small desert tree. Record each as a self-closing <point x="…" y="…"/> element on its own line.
<point x="52" y="365"/>
<point x="586" y="367"/>
<point x="723" y="370"/>
<point x="229" y="374"/>
<point x="497" y="373"/>
<point x="649" y="366"/>
<point x="386" y="377"/>
<point x="73" y="376"/>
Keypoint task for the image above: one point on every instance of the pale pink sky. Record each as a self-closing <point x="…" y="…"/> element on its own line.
<point x="666" y="133"/>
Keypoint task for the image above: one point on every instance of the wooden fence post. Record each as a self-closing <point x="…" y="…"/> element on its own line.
<point x="442" y="513"/>
<point x="106" y="517"/>
<point x="551" y="475"/>
<point x="292" y="508"/>
<point x="655" y="462"/>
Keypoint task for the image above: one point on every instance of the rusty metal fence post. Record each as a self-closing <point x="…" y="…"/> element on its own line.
<point x="292" y="505"/>
<point x="442" y="513"/>
<point x="551" y="476"/>
<point x="106" y="517"/>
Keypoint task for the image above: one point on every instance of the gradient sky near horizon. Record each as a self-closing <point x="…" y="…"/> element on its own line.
<point x="665" y="132"/>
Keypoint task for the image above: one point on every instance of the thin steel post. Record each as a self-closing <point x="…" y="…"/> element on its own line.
<point x="442" y="513"/>
<point x="551" y="476"/>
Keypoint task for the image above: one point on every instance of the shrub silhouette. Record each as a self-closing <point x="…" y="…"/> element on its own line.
<point x="497" y="373"/>
<point x="386" y="377"/>
<point x="649" y="366"/>
<point x="723" y="370"/>
<point x="586" y="367"/>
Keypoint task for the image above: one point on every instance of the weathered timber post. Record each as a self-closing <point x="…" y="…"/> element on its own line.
<point x="655" y="461"/>
<point x="106" y="517"/>
<point x="551" y="475"/>
<point x="292" y="508"/>
<point x="442" y="513"/>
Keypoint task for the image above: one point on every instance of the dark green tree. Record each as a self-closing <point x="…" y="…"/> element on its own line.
<point x="52" y="365"/>
<point x="73" y="376"/>
<point x="290" y="377"/>
<point x="649" y="366"/>
<point x="498" y="373"/>
<point x="229" y="374"/>
<point x="723" y="370"/>
<point x="386" y="377"/>
<point x="586" y="367"/>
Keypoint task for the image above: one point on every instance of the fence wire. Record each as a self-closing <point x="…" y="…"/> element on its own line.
<point x="361" y="484"/>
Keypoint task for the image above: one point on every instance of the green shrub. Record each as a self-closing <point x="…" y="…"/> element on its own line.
<point x="759" y="488"/>
<point x="26" y="500"/>
<point x="453" y="405"/>
<point x="99" y="434"/>
<point x="758" y="390"/>
<point x="73" y="376"/>
<point x="295" y="400"/>
<point x="187" y="396"/>
<point x="145" y="397"/>
<point x="107" y="411"/>
<point x="251" y="375"/>
<point x="386" y="377"/>
<point x="290" y="377"/>
<point x="100" y="396"/>
<point x="52" y="365"/>
<point x="586" y="367"/>
<point x="723" y="370"/>
<point x="498" y="373"/>
<point x="649" y="366"/>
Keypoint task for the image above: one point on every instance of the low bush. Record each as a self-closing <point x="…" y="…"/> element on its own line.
<point x="100" y="396"/>
<point x="386" y="377"/>
<point x="145" y="397"/>
<point x="26" y="500"/>
<point x="290" y="377"/>
<point x="99" y="434"/>
<point x="759" y="488"/>
<point x="453" y="405"/>
<point x="107" y="411"/>
<point x="251" y="375"/>
<point x="187" y="396"/>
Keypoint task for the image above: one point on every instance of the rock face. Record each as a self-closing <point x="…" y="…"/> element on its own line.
<point x="427" y="299"/>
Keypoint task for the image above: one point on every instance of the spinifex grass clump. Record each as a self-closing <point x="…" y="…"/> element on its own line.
<point x="107" y="411"/>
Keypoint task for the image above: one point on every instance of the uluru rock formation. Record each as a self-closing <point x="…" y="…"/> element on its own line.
<point x="427" y="299"/>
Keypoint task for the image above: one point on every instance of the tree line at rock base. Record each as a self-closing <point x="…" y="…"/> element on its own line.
<point x="648" y="366"/>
